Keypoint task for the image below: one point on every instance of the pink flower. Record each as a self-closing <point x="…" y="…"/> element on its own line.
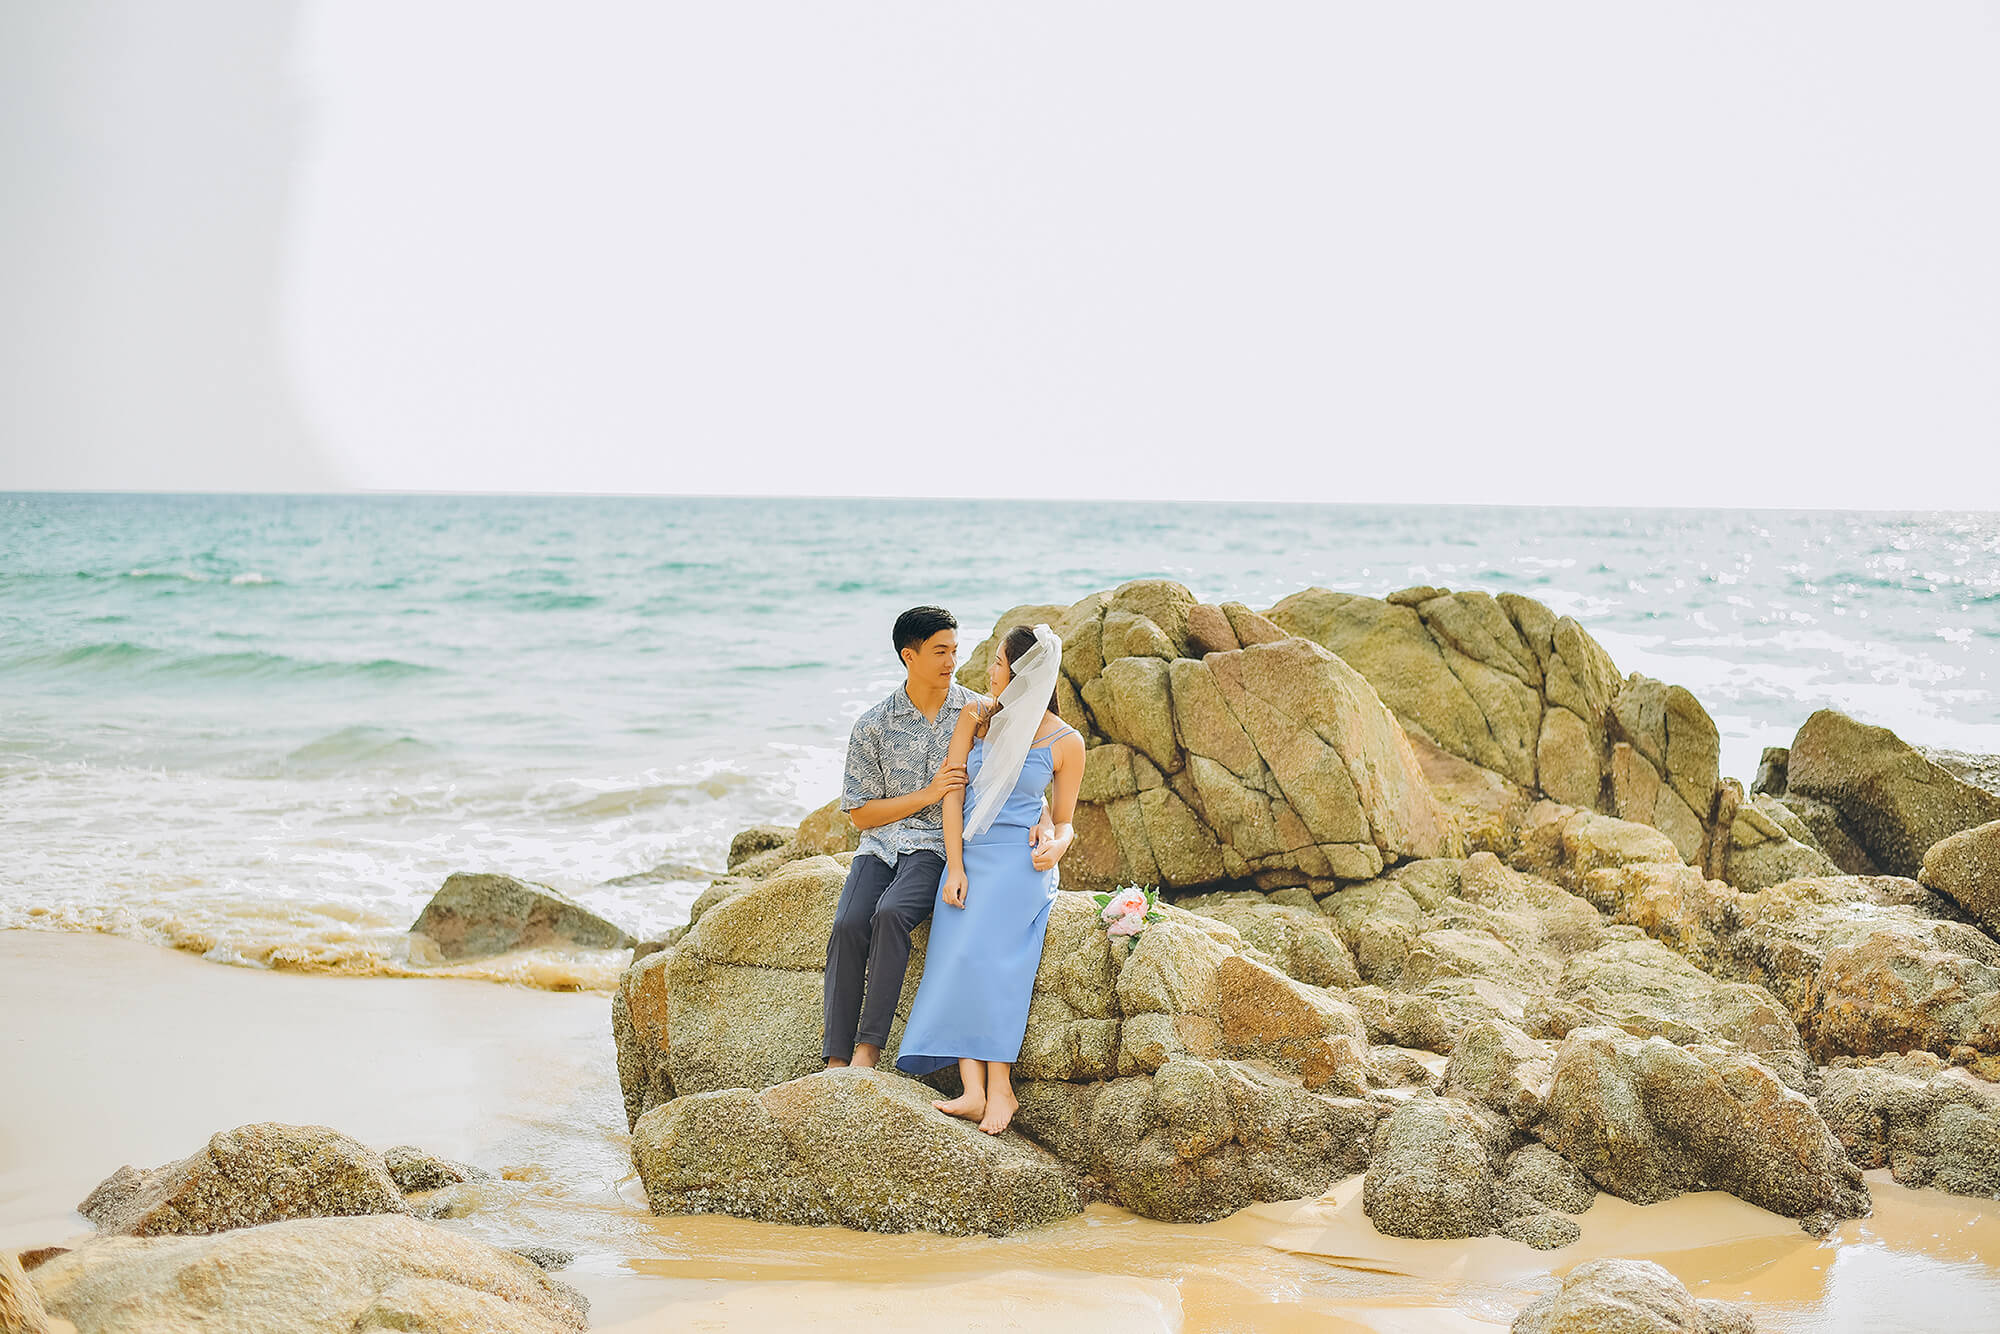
<point x="1124" y="903"/>
<point x="1131" y="924"/>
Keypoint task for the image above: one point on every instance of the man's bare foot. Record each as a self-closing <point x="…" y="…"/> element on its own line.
<point x="835" y="1063"/>
<point x="964" y="1105"/>
<point x="865" y="1055"/>
<point x="1000" y="1109"/>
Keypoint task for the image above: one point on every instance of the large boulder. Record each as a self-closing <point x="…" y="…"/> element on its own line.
<point x="472" y="916"/>
<point x="1965" y="867"/>
<point x="306" y="1276"/>
<point x="1930" y="1125"/>
<point x="253" y="1174"/>
<point x="861" y="1148"/>
<point x="1510" y="686"/>
<point x="1647" y="1119"/>
<point x="1891" y="800"/>
<point x="1221" y="749"/>
<point x="1433" y="1168"/>
<point x="680" y="1014"/>
<point x="980" y="659"/>
<point x="1628" y="1297"/>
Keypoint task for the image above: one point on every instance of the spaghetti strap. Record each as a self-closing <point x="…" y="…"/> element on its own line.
<point x="1045" y="740"/>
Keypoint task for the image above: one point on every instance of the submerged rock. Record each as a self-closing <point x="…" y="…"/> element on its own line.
<point x="862" y="1148"/>
<point x="306" y="1276"/>
<point x="415" y="1170"/>
<point x="472" y="916"/>
<point x="1628" y="1297"/>
<point x="253" y="1174"/>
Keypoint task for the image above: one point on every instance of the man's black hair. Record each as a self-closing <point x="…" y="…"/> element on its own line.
<point x="917" y="624"/>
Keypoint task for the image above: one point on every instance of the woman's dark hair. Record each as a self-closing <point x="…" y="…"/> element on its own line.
<point x="1018" y="641"/>
<point x="917" y="624"/>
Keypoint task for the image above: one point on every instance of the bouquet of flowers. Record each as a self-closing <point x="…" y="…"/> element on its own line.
<point x="1129" y="909"/>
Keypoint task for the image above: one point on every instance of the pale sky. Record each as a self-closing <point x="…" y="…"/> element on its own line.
<point x="1590" y="253"/>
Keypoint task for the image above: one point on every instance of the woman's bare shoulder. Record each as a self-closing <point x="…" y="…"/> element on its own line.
<point x="975" y="713"/>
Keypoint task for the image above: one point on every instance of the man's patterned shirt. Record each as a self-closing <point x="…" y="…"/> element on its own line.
<point x="894" y="751"/>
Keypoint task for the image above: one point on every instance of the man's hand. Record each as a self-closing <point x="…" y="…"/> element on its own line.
<point x="950" y="779"/>
<point x="1050" y="844"/>
<point x="953" y="888"/>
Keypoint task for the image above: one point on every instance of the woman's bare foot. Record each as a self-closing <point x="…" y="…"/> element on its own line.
<point x="1000" y="1109"/>
<point x="965" y="1105"/>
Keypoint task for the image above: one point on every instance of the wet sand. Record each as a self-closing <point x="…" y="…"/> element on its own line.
<point x="118" y="1051"/>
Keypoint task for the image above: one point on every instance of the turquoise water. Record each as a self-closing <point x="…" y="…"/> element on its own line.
<point x="286" y="718"/>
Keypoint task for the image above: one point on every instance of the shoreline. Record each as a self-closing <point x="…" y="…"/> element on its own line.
<point x="137" y="1053"/>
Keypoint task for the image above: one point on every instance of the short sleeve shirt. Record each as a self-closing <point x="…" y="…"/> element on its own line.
<point x="893" y="751"/>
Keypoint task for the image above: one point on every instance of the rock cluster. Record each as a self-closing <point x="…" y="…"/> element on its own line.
<point x="1223" y="749"/>
<point x="305" y="1276"/>
<point x="275" y="1227"/>
<point x="1437" y="822"/>
<point x="1183" y="1072"/>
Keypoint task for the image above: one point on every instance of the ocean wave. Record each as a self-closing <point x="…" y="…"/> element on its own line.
<point x="123" y="655"/>
<point x="359" y="746"/>
<point x="532" y="600"/>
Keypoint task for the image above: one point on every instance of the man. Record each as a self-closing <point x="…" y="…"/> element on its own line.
<point x="894" y="790"/>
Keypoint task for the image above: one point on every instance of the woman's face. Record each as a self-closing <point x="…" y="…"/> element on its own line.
<point x="999" y="674"/>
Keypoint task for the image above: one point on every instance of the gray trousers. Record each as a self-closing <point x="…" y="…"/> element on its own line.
<point x="869" y="950"/>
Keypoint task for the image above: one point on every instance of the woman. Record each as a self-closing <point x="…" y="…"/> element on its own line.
<point x="993" y="904"/>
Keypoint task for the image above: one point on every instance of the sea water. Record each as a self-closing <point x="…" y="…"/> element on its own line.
<point x="267" y="727"/>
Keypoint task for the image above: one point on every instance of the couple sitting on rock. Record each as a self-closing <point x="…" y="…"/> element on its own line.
<point x="946" y="786"/>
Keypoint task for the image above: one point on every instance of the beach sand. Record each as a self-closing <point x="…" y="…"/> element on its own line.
<point x="117" y="1051"/>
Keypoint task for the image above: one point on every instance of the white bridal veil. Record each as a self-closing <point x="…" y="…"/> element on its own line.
<point x="1013" y="728"/>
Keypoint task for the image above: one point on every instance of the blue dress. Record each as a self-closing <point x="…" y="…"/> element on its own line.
<point x="979" y="969"/>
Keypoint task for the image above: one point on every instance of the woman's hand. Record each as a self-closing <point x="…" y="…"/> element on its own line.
<point x="1050" y="847"/>
<point x="954" y="886"/>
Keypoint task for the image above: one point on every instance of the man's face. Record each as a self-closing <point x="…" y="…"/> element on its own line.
<point x="935" y="659"/>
